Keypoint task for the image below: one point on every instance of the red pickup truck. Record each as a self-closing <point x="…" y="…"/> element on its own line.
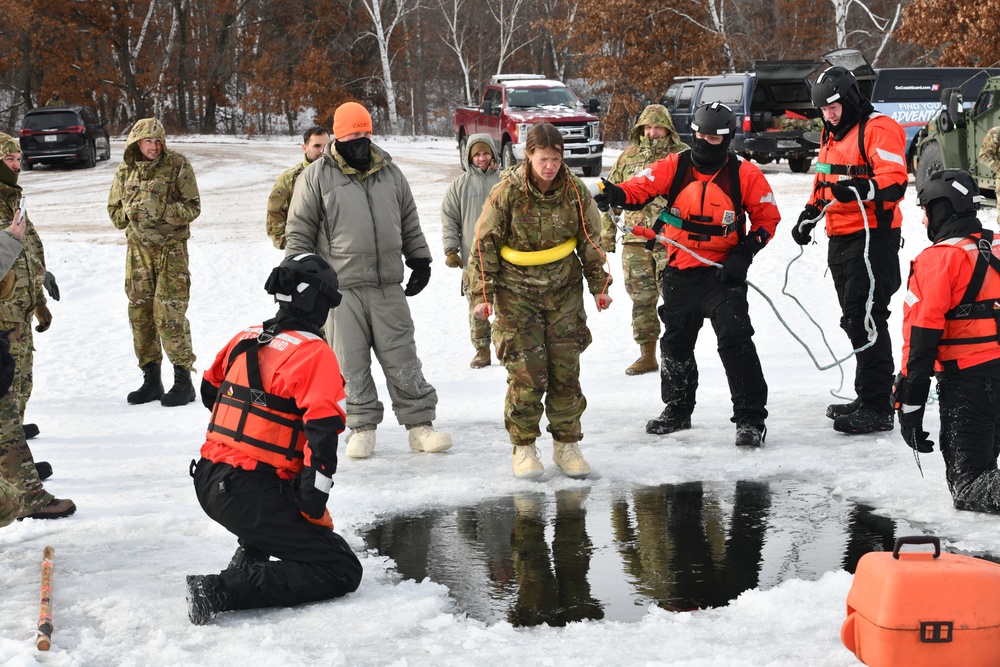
<point x="512" y="103"/>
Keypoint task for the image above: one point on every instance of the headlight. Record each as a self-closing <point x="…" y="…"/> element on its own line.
<point x="595" y="129"/>
<point x="522" y="132"/>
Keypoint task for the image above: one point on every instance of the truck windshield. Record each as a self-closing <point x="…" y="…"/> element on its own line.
<point x="523" y="98"/>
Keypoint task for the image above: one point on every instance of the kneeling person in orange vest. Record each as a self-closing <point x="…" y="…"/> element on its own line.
<point x="278" y="407"/>
<point x="950" y="328"/>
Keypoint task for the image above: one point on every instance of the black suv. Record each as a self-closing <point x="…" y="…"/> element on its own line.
<point x="56" y="135"/>
<point x="772" y="106"/>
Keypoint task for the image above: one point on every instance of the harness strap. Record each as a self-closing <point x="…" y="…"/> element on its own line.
<point x="698" y="227"/>
<point x="253" y="399"/>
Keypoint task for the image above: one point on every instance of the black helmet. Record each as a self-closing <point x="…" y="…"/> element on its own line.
<point x="836" y="84"/>
<point x="305" y="285"/>
<point x="955" y="185"/>
<point x="714" y="118"/>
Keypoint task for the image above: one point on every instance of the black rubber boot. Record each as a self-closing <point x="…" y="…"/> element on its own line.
<point x="43" y="469"/>
<point x="152" y="385"/>
<point x="668" y="422"/>
<point x="835" y="410"/>
<point x="182" y="392"/>
<point x="206" y="597"/>
<point x="30" y="431"/>
<point x="863" y="420"/>
<point x="750" y="433"/>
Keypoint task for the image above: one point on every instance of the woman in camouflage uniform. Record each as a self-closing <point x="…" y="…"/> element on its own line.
<point x="523" y="262"/>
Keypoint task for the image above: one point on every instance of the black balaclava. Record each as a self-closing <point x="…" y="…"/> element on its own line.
<point x="853" y="109"/>
<point x="708" y="158"/>
<point x="943" y="222"/>
<point x="7" y="175"/>
<point x="357" y="153"/>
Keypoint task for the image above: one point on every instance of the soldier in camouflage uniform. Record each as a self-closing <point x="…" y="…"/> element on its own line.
<point x="154" y="197"/>
<point x="21" y="289"/>
<point x="21" y="490"/>
<point x="989" y="156"/>
<point x="460" y="210"/>
<point x="653" y="137"/>
<point x="313" y="141"/>
<point x="523" y="262"/>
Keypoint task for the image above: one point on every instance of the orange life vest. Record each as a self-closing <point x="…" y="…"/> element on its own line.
<point x="704" y="214"/>
<point x="246" y="417"/>
<point x="972" y="328"/>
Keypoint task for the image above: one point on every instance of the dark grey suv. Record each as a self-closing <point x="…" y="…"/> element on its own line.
<point x="57" y="135"/>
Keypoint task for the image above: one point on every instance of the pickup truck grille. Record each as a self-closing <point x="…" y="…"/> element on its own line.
<point x="573" y="133"/>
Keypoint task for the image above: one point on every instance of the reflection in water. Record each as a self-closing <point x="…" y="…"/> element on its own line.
<point x="678" y="551"/>
<point x="557" y="558"/>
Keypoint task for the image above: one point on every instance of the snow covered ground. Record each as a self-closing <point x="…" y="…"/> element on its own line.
<point x="120" y="561"/>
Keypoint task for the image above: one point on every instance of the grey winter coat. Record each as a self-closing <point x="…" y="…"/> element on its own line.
<point x="362" y="223"/>
<point x="10" y="248"/>
<point x="463" y="202"/>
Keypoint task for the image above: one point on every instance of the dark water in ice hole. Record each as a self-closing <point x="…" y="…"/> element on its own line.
<point x="574" y="554"/>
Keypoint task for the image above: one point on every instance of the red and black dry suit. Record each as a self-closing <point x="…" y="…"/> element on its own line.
<point x="708" y="214"/>
<point x="278" y="406"/>
<point x="873" y="148"/>
<point x="950" y="326"/>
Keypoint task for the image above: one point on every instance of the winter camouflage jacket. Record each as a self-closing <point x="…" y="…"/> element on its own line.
<point x="278" y="202"/>
<point x="21" y="288"/>
<point x="362" y="223"/>
<point x="640" y="153"/>
<point x="463" y="202"/>
<point x="520" y="216"/>
<point x="154" y="201"/>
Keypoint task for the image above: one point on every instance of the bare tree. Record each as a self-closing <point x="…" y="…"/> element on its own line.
<point x="455" y="38"/>
<point x="506" y="16"/>
<point x="382" y="29"/>
<point x="885" y="26"/>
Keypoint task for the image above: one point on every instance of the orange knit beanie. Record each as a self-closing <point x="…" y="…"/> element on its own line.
<point x="351" y="117"/>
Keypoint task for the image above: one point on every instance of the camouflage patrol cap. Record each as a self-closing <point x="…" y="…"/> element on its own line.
<point x="8" y="145"/>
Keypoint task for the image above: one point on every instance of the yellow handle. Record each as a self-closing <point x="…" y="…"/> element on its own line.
<point x="538" y="257"/>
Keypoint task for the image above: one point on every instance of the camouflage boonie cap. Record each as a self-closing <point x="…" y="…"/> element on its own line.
<point x="654" y="114"/>
<point x="8" y="145"/>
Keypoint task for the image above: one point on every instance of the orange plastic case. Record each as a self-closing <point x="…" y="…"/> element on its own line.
<point x="920" y="608"/>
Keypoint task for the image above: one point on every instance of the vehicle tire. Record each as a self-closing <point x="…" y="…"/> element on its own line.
<point x="91" y="160"/>
<point x="107" y="150"/>
<point x="592" y="170"/>
<point x="26" y="165"/>
<point x="929" y="161"/>
<point x="799" y="165"/>
<point x="507" y="158"/>
<point x="463" y="146"/>
<point x="764" y="160"/>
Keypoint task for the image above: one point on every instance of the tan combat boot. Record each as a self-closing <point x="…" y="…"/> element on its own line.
<point x="567" y="456"/>
<point x="525" y="463"/>
<point x="482" y="358"/>
<point x="647" y="361"/>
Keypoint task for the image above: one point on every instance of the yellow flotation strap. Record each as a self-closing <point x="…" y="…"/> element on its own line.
<point x="538" y="257"/>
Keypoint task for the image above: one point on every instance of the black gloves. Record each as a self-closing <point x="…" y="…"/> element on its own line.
<point x="7" y="364"/>
<point x="735" y="265"/>
<point x="909" y="397"/>
<point x="801" y="232"/>
<point x="420" y="275"/>
<point x="842" y="191"/>
<point x="610" y="196"/>
<point x="312" y="490"/>
<point x="50" y="285"/>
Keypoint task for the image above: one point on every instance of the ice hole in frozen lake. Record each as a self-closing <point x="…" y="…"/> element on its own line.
<point x="578" y="553"/>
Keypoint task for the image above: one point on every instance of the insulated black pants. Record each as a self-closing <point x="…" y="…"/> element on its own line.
<point x="690" y="296"/>
<point x="970" y="439"/>
<point x="874" y="371"/>
<point x="259" y="508"/>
